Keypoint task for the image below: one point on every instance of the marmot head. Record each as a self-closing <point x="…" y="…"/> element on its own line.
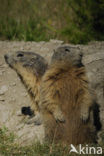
<point x="26" y="61"/>
<point x="67" y="53"/>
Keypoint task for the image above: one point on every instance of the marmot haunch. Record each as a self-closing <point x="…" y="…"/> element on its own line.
<point x="65" y="100"/>
<point x="30" y="67"/>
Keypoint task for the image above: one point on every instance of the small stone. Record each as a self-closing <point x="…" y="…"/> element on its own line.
<point x="5" y="66"/>
<point x="13" y="84"/>
<point x="44" y="49"/>
<point x="24" y="94"/>
<point x="18" y="113"/>
<point x="22" y="48"/>
<point x="2" y="99"/>
<point x="1" y="73"/>
<point x="3" y="89"/>
<point x="12" y="100"/>
<point x="1" y="64"/>
<point x="56" y="41"/>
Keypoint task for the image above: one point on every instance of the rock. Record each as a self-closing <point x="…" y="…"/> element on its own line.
<point x="1" y="64"/>
<point x="13" y="84"/>
<point x="18" y="113"/>
<point x="4" y="65"/>
<point x="3" y="89"/>
<point x="12" y="99"/>
<point x="56" y="41"/>
<point x="24" y="94"/>
<point x="2" y="99"/>
<point x="1" y="73"/>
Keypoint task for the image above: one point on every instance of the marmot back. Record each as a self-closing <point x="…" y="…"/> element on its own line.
<point x="74" y="54"/>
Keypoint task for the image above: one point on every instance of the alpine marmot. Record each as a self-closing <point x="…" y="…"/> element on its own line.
<point x="65" y="100"/>
<point x="30" y="67"/>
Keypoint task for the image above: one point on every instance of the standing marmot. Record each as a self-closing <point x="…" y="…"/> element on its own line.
<point x="30" y="67"/>
<point x="65" y="97"/>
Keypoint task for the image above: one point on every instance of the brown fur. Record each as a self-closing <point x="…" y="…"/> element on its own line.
<point x="32" y="84"/>
<point x="65" y="97"/>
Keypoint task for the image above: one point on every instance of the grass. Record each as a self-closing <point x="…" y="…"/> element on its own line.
<point x="9" y="148"/>
<point x="30" y="31"/>
<point x="74" y="21"/>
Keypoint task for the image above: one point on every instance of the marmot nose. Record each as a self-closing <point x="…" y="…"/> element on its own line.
<point x="6" y="57"/>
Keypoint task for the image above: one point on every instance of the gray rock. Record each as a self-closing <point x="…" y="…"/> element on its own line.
<point x="24" y="94"/>
<point x="56" y="41"/>
<point x="2" y="99"/>
<point x="3" y="89"/>
<point x="13" y="85"/>
<point x="1" y="73"/>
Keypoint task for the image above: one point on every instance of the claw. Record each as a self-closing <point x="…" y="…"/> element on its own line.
<point x="59" y="117"/>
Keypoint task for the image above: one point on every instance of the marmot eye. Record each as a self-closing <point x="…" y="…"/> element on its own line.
<point x="20" y="55"/>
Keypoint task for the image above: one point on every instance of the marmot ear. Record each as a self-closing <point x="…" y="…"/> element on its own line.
<point x="37" y="73"/>
<point x="33" y="60"/>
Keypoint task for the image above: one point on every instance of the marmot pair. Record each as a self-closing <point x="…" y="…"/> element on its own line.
<point x="60" y="92"/>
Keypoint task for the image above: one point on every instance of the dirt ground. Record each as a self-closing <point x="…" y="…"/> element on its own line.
<point x="13" y="95"/>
